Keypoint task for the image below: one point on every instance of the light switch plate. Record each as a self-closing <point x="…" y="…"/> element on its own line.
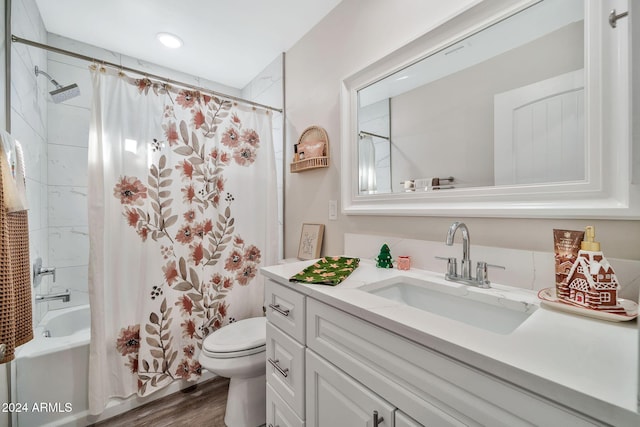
<point x="333" y="210"/>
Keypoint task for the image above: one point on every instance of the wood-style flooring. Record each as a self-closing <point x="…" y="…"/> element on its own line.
<point x="200" y="406"/>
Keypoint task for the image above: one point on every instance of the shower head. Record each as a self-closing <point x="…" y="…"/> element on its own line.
<point x="60" y="94"/>
<point x="63" y="93"/>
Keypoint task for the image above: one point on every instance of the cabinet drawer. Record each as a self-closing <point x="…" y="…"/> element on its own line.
<point x="285" y="368"/>
<point x="429" y="387"/>
<point x="285" y="309"/>
<point x="278" y="412"/>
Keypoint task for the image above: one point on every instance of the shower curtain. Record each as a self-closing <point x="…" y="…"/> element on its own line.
<point x="182" y="207"/>
<point x="367" y="165"/>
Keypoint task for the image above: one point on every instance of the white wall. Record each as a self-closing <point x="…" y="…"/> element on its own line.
<point x="355" y="34"/>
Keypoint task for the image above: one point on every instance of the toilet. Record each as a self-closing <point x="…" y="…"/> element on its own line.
<point x="237" y="351"/>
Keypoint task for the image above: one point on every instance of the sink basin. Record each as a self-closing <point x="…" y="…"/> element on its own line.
<point x="478" y="308"/>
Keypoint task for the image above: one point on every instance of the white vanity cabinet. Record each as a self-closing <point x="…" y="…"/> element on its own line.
<point x="340" y="369"/>
<point x="433" y="389"/>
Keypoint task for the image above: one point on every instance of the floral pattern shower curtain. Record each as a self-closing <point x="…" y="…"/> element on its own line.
<point x="182" y="206"/>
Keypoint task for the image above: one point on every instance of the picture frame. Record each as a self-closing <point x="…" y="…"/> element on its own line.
<point x="310" y="241"/>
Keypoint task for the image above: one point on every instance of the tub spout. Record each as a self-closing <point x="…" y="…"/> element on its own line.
<point x="62" y="296"/>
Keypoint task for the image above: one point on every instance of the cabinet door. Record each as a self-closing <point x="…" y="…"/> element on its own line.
<point x="278" y="412"/>
<point x="404" y="420"/>
<point x="334" y="399"/>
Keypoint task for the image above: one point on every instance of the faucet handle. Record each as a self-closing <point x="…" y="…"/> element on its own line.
<point x="48" y="271"/>
<point x="452" y="265"/>
<point x="481" y="272"/>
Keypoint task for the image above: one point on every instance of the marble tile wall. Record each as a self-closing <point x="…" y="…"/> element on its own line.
<point x="29" y="126"/>
<point x="67" y="137"/>
<point x="523" y="269"/>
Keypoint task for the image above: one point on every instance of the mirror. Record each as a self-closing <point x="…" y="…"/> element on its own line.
<point x="503" y="106"/>
<point x="498" y="112"/>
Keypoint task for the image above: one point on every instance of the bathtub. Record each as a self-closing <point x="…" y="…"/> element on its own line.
<point x="50" y="375"/>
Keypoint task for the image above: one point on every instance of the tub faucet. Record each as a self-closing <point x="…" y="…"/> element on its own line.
<point x="47" y="271"/>
<point x="481" y="280"/>
<point x="39" y="271"/>
<point x="62" y="296"/>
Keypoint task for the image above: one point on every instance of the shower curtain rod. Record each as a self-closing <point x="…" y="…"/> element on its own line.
<point x="16" y="39"/>
<point x="362" y="132"/>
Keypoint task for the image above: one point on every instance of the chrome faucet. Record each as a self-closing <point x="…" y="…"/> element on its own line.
<point x="39" y="271"/>
<point x="481" y="280"/>
<point x="47" y="271"/>
<point x="465" y="264"/>
<point x="62" y="296"/>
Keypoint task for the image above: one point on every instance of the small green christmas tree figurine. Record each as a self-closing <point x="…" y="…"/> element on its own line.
<point x="384" y="259"/>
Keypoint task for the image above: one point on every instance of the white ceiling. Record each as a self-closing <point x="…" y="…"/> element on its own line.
<point x="225" y="41"/>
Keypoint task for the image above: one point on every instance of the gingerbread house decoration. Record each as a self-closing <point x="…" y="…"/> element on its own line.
<point x="592" y="283"/>
<point x="565" y="267"/>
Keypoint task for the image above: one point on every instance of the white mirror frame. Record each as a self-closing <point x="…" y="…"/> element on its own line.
<point x="609" y="190"/>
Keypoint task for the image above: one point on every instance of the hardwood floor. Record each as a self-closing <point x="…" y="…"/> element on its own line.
<point x="202" y="406"/>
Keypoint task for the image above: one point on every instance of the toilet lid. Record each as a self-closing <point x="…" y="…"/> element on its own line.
<point x="246" y="336"/>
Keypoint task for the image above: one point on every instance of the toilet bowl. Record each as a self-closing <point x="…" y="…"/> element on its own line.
<point x="237" y="351"/>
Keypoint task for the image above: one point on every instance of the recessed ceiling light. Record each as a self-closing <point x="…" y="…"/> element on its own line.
<point x="169" y="40"/>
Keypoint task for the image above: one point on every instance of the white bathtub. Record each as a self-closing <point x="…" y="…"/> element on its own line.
<point x="52" y="374"/>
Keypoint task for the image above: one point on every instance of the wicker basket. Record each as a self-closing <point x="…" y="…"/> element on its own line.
<point x="313" y="134"/>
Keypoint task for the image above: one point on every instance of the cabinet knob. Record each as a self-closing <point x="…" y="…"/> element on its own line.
<point x="276" y="307"/>
<point x="284" y="372"/>
<point x="377" y="420"/>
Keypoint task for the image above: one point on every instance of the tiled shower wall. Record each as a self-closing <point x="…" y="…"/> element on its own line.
<point x="67" y="137"/>
<point x="29" y="125"/>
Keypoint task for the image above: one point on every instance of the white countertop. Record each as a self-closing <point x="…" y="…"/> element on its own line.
<point x="587" y="364"/>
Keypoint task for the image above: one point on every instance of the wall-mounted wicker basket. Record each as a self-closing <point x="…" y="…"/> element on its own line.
<point x="314" y="138"/>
